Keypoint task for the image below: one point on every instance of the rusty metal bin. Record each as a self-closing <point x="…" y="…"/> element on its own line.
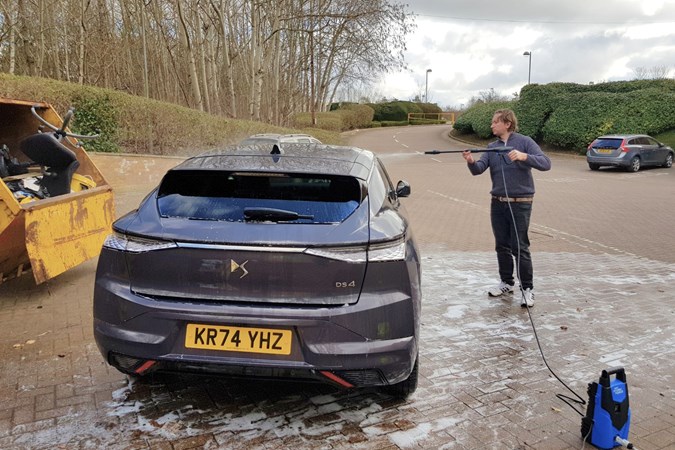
<point x="51" y="233"/>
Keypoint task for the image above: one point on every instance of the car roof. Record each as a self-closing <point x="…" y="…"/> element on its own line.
<point x="278" y="137"/>
<point x="622" y="136"/>
<point x="291" y="158"/>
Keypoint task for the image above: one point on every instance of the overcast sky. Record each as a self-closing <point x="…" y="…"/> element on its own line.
<point x="475" y="45"/>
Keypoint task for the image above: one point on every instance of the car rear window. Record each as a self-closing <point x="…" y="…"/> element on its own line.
<point x="221" y="195"/>
<point x="607" y="143"/>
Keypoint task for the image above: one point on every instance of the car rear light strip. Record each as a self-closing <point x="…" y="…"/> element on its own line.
<point x="131" y="244"/>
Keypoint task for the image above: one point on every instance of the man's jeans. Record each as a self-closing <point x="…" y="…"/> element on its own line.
<point x="512" y="242"/>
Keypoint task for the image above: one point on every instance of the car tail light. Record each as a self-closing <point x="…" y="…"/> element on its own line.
<point x="377" y="252"/>
<point x="347" y="254"/>
<point x="623" y="147"/>
<point x="130" y="364"/>
<point x="387" y="251"/>
<point x="331" y="376"/>
<point x="119" y="241"/>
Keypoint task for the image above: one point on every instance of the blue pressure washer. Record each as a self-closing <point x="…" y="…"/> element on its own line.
<point x="608" y="413"/>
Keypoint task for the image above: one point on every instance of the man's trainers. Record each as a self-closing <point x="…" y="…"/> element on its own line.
<point x="503" y="288"/>
<point x="528" y="298"/>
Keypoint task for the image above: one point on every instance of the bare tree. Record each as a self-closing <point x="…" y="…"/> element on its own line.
<point x="487" y="96"/>
<point x="659" y="72"/>
<point x="253" y="58"/>
<point x="641" y="73"/>
<point x="651" y="73"/>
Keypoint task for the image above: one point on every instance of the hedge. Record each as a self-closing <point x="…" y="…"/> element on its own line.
<point x="478" y="118"/>
<point x="571" y="115"/>
<point x="395" y="111"/>
<point x="581" y="117"/>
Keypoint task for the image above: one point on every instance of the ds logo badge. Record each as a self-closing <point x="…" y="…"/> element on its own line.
<point x="234" y="266"/>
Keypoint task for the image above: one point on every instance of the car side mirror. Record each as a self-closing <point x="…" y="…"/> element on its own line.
<point x="402" y="189"/>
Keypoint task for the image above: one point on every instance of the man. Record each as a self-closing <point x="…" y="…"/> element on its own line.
<point x="512" y="195"/>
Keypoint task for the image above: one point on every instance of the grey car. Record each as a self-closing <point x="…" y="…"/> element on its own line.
<point x="252" y="263"/>
<point x="628" y="151"/>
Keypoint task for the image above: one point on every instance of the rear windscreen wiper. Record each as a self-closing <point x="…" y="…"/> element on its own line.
<point x="273" y="214"/>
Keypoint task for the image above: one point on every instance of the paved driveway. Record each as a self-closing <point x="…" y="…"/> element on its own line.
<point x="604" y="271"/>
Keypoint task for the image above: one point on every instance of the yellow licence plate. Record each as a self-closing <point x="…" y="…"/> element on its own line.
<point x="239" y="339"/>
<point x="604" y="150"/>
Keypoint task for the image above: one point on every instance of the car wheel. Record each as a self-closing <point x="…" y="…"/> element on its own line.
<point x="669" y="161"/>
<point x="594" y="166"/>
<point x="634" y="164"/>
<point x="406" y="387"/>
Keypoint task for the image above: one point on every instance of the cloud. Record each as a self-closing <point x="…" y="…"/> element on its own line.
<point x="472" y="45"/>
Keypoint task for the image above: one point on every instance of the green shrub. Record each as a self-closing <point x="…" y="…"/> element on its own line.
<point x="426" y="122"/>
<point x="579" y="118"/>
<point x="339" y="105"/>
<point x="390" y="111"/>
<point x="95" y="114"/>
<point x="361" y="117"/>
<point x="347" y="117"/>
<point x="394" y="111"/>
<point x="430" y="108"/>
<point x="571" y="115"/>
<point x="538" y="102"/>
<point x="478" y="118"/>
<point x="393" y="123"/>
<point x="667" y="138"/>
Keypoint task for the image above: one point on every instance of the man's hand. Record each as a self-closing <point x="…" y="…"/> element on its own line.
<point x="515" y="155"/>
<point x="466" y="154"/>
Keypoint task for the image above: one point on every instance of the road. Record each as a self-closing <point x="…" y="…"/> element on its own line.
<point x="604" y="269"/>
<point x="575" y="209"/>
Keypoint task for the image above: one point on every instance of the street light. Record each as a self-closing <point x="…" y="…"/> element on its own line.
<point x="529" y="67"/>
<point x="426" y="88"/>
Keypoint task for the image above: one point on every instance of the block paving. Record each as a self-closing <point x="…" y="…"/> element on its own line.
<point x="483" y="381"/>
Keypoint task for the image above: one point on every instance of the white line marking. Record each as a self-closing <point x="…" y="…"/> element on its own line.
<point x="542" y="229"/>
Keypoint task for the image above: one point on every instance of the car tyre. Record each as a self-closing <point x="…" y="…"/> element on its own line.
<point x="634" y="164"/>
<point x="405" y="388"/>
<point x="594" y="166"/>
<point x="669" y="161"/>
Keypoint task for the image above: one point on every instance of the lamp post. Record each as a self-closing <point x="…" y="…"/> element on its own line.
<point x="426" y="88"/>
<point x="529" y="66"/>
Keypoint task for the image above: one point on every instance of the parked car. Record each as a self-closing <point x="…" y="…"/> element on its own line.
<point x="629" y="151"/>
<point x="249" y="263"/>
<point x="272" y="138"/>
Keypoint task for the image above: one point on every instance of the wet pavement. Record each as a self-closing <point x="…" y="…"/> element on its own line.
<point x="483" y="382"/>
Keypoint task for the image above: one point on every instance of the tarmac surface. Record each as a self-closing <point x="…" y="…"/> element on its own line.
<point x="604" y="264"/>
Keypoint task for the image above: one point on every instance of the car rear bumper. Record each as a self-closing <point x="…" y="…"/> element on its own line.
<point x="327" y="340"/>
<point x="617" y="161"/>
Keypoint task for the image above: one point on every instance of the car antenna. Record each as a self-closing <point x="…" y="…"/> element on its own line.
<point x="276" y="153"/>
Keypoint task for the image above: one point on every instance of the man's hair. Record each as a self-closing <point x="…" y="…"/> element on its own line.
<point x="507" y="115"/>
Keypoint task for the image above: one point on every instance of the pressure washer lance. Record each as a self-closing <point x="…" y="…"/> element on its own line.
<point x="503" y="149"/>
